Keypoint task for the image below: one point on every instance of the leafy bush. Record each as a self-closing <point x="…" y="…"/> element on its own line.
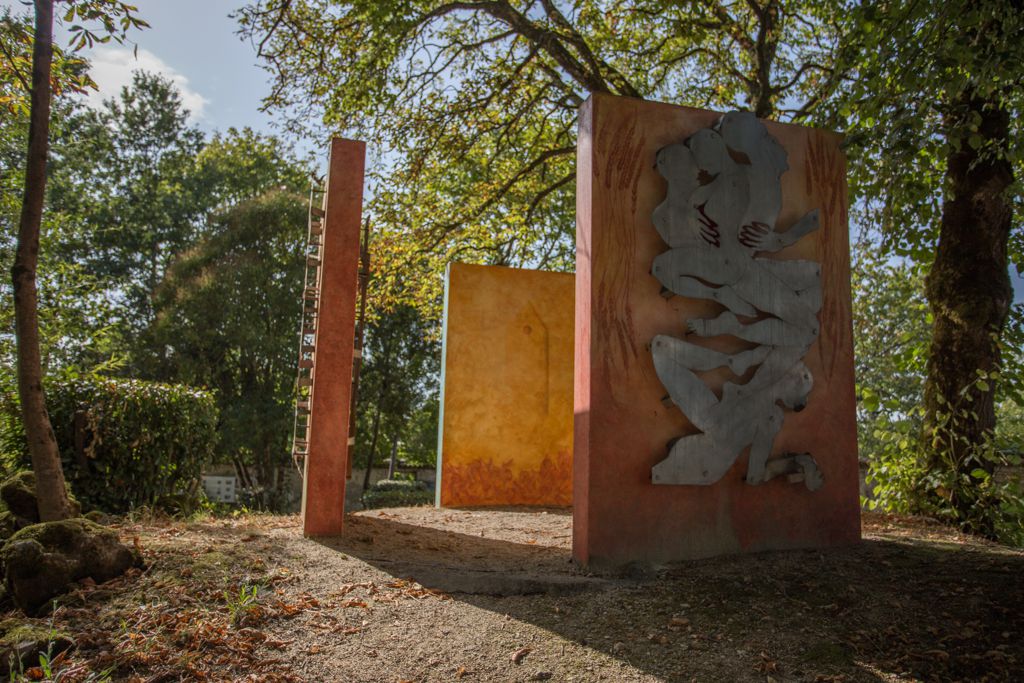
<point x="908" y="477"/>
<point x="390" y="493"/>
<point x="138" y="443"/>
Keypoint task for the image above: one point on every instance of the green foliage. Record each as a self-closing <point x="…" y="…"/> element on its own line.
<point x="125" y="174"/>
<point x="912" y="60"/>
<point x="889" y="305"/>
<point x="172" y="259"/>
<point x="398" y="389"/>
<point x="241" y="603"/>
<point x="68" y="73"/>
<point x="226" y="316"/>
<point x="926" y="76"/>
<point x="473" y="106"/>
<point x="144" y="441"/>
<point x="397" y="493"/>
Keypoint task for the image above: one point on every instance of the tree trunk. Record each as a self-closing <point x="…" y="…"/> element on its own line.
<point x="393" y="462"/>
<point x="373" y="445"/>
<point x="50" y="492"/>
<point x="969" y="293"/>
<point x="762" y="93"/>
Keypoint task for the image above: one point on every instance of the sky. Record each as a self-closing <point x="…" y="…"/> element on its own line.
<point x="194" y="43"/>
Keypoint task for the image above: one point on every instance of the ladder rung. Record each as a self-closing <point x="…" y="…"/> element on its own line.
<point x="308" y="329"/>
<point x="305" y="381"/>
<point x="302" y="405"/>
<point x="307" y="348"/>
<point x="306" y="363"/>
<point x="317" y="213"/>
<point x="313" y="261"/>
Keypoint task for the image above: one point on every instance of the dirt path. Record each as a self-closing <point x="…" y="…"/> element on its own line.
<point x="908" y="604"/>
<point x="419" y="594"/>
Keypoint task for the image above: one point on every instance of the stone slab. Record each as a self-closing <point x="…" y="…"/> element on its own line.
<point x="622" y="427"/>
<point x="505" y="433"/>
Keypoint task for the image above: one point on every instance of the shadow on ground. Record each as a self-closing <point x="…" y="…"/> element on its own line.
<point x="929" y="606"/>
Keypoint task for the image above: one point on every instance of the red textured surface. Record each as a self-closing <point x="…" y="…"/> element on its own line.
<point x="621" y="427"/>
<point x="326" y="468"/>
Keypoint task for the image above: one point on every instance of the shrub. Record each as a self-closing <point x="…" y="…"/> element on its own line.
<point x="390" y="493"/>
<point x="127" y="443"/>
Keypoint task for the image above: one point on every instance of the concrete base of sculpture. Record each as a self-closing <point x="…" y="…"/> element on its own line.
<point x="639" y="495"/>
<point x="505" y="433"/>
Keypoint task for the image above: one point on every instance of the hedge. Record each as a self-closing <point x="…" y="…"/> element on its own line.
<point x="389" y="493"/>
<point x="127" y="443"/>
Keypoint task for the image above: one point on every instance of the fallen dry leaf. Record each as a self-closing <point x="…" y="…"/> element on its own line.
<point x="353" y="603"/>
<point x="519" y="655"/>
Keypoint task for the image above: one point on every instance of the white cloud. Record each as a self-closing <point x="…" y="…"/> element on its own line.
<point x="112" y="69"/>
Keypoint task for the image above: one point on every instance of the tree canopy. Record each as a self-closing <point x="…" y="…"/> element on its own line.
<point x="473" y="104"/>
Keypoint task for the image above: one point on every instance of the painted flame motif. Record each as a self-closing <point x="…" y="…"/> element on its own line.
<point x="483" y="482"/>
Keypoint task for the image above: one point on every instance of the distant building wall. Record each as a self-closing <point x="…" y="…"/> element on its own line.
<point x="507" y="380"/>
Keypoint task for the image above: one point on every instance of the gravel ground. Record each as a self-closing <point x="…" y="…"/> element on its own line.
<point x="420" y="594"/>
<point x="502" y="602"/>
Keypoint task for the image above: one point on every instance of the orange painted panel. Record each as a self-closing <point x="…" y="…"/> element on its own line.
<point x="506" y="422"/>
<point x="622" y="428"/>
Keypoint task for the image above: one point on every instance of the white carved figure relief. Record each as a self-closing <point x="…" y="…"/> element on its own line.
<point x="720" y="214"/>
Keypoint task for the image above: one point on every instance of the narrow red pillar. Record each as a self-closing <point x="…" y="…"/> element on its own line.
<point x="326" y="467"/>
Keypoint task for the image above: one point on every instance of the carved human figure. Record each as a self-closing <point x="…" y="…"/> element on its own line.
<point x="721" y="209"/>
<point x="746" y="415"/>
<point x="723" y="202"/>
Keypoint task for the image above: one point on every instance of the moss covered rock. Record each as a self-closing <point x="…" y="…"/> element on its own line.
<point x="22" y="641"/>
<point x="18" y="492"/>
<point x="99" y="517"/>
<point x="42" y="561"/>
<point x="9" y="524"/>
<point x="18" y="495"/>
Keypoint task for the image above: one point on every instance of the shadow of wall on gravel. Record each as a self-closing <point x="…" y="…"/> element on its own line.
<point x="919" y="608"/>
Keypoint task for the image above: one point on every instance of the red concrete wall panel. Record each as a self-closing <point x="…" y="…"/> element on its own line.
<point x="621" y="426"/>
<point x="326" y="466"/>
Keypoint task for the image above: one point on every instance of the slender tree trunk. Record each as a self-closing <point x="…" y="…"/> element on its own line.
<point x="393" y="462"/>
<point x="969" y="292"/>
<point x="50" y="492"/>
<point x="373" y="445"/>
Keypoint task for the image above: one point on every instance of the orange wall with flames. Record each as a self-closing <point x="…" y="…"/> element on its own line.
<point x="506" y="423"/>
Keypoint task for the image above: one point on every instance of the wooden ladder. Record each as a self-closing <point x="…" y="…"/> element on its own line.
<point x="307" y="324"/>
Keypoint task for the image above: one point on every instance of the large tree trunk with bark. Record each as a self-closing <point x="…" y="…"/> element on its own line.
<point x="50" y="492"/>
<point x="969" y="292"/>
